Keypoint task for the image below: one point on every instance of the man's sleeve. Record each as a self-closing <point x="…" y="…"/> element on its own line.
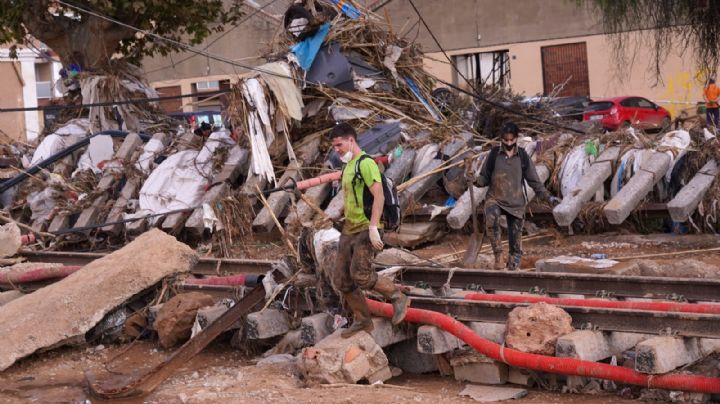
<point x="483" y="180"/>
<point x="533" y="180"/>
<point x="369" y="171"/>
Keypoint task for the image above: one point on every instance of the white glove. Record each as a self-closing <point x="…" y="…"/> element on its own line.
<point x="375" y="239"/>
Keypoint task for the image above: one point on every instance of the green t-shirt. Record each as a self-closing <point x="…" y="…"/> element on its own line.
<point x="355" y="219"/>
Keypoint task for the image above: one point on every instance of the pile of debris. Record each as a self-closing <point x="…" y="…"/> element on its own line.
<point x="84" y="189"/>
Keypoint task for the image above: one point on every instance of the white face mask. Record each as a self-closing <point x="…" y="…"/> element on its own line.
<point x="345" y="158"/>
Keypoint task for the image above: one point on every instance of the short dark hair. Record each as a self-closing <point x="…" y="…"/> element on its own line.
<point x="711" y="81"/>
<point x="509" y="127"/>
<point x="343" y="129"/>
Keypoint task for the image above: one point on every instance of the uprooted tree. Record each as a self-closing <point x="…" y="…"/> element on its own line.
<point x="685" y="26"/>
<point x="90" y="41"/>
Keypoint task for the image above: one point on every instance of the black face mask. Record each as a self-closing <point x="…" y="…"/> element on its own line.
<point x="509" y="147"/>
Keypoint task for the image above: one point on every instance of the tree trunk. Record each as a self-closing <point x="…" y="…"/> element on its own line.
<point x="89" y="42"/>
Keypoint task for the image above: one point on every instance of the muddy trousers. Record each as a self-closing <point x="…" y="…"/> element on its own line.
<point x="514" y="226"/>
<point x="712" y="116"/>
<point x="353" y="268"/>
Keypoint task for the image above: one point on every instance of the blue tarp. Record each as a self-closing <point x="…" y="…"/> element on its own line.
<point x="308" y="48"/>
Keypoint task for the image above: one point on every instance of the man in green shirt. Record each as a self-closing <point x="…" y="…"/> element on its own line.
<point x="360" y="237"/>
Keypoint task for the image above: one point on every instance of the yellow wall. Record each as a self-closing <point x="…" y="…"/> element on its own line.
<point x="678" y="89"/>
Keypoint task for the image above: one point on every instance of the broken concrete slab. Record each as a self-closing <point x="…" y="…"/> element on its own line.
<point x="494" y="332"/>
<point x="474" y="367"/>
<point x="433" y="340"/>
<point x="266" y="324"/>
<point x="401" y="167"/>
<point x="491" y="394"/>
<point x="410" y="235"/>
<point x="405" y="356"/>
<point x="536" y="328"/>
<point x="316" y="327"/>
<point x="79" y="301"/>
<point x="344" y="360"/>
<point x="461" y="212"/>
<point x="596" y="345"/>
<point x="687" y="200"/>
<point x="574" y="264"/>
<point x="278" y="201"/>
<point x="304" y="213"/>
<point x="665" y="353"/>
<point x="587" y="187"/>
<point x="625" y="201"/>
<point x="386" y="334"/>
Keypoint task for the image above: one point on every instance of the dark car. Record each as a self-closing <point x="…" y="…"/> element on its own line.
<point x="617" y="112"/>
<point x="196" y="118"/>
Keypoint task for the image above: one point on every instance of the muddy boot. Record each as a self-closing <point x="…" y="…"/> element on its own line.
<point x="498" y="261"/>
<point x="400" y="302"/>
<point x="361" y="312"/>
<point x="513" y="262"/>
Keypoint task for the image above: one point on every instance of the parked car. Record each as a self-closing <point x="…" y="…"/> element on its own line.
<point x="617" y="112"/>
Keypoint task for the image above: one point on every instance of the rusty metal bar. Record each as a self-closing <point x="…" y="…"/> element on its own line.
<point x="205" y="266"/>
<point x="145" y="383"/>
<point x="692" y="289"/>
<point x="646" y="322"/>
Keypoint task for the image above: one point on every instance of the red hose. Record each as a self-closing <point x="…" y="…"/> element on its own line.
<point x="233" y="280"/>
<point x="36" y="274"/>
<point x="551" y="364"/>
<point x="704" y="308"/>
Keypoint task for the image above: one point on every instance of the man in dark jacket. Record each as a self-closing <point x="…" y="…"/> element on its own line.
<point x="504" y="171"/>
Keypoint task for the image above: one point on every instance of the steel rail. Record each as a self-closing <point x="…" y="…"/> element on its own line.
<point x="636" y="321"/>
<point x="691" y="289"/>
<point x="205" y="265"/>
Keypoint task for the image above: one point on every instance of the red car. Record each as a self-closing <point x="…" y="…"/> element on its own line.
<point x="617" y="112"/>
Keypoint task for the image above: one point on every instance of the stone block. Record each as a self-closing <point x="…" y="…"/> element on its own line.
<point x="520" y="377"/>
<point x="316" y="327"/>
<point x="432" y="340"/>
<point x="405" y="355"/>
<point x="665" y="353"/>
<point x="266" y="324"/>
<point x="386" y="334"/>
<point x="482" y="372"/>
<point x="596" y="345"/>
<point x="494" y="332"/>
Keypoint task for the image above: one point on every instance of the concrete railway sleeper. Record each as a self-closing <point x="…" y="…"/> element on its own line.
<point x="551" y="364"/>
<point x="603" y="319"/>
<point x="691" y="289"/>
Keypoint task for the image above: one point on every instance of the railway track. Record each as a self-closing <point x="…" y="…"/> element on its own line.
<point x="546" y="283"/>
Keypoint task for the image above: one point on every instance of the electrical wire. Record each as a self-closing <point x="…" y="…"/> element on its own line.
<point x="111" y="103"/>
<point x="179" y="44"/>
<point x="476" y="93"/>
<point x="215" y="40"/>
<point x="252" y="68"/>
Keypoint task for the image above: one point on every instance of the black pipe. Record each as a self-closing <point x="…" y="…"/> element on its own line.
<point x="22" y="176"/>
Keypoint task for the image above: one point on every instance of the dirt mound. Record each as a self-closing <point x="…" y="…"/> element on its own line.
<point x="176" y="317"/>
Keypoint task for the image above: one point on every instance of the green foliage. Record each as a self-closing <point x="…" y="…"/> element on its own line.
<point x="187" y="21"/>
<point x="682" y="26"/>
